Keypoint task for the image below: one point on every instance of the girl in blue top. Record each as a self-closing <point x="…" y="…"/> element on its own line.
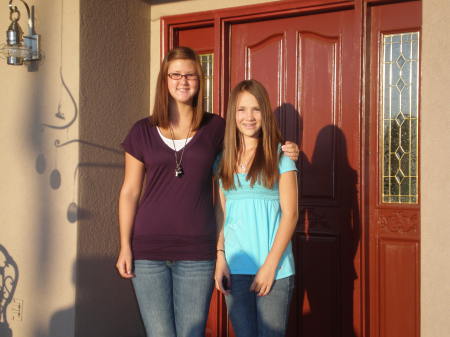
<point x="257" y="215"/>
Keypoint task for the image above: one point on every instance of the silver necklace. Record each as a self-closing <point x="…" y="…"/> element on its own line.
<point x="179" y="172"/>
<point x="243" y="165"/>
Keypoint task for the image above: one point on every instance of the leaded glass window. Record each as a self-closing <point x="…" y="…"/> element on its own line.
<point x="399" y="117"/>
<point x="207" y="62"/>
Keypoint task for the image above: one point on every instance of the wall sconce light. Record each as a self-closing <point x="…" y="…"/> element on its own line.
<point x="20" y="48"/>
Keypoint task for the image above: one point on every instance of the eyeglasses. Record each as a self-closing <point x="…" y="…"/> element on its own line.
<point x="178" y="76"/>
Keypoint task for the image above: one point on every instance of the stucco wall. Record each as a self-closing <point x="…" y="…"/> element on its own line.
<point x="37" y="178"/>
<point x="435" y="183"/>
<point x="114" y="93"/>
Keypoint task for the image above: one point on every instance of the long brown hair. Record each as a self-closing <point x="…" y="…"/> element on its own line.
<point x="264" y="168"/>
<point x="160" y="115"/>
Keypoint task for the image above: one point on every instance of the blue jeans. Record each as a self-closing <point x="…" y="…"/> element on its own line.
<point x="259" y="316"/>
<point x="174" y="296"/>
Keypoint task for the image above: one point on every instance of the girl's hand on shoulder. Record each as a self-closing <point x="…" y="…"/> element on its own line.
<point x="125" y="263"/>
<point x="222" y="275"/>
<point x="291" y="150"/>
<point x="263" y="281"/>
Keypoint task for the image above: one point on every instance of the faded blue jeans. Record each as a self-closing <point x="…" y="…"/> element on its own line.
<point x="174" y="296"/>
<point x="259" y="316"/>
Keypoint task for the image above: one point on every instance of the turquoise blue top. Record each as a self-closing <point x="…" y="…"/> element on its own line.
<point x="251" y="221"/>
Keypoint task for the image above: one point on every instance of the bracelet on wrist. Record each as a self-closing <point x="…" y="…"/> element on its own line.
<point x="220" y="250"/>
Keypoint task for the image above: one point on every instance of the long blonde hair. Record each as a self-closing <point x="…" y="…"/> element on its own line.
<point x="264" y="168"/>
<point x="160" y="115"/>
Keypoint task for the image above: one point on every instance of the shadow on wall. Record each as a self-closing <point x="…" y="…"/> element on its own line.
<point x="42" y="225"/>
<point x="289" y="122"/>
<point x="106" y="303"/>
<point x="327" y="232"/>
<point x="61" y="322"/>
<point x="9" y="276"/>
<point x="42" y="145"/>
<point x="114" y="93"/>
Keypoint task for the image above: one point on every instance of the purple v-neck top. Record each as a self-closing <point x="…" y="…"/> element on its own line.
<point x="175" y="217"/>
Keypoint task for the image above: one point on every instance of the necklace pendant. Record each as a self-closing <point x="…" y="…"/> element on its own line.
<point x="179" y="171"/>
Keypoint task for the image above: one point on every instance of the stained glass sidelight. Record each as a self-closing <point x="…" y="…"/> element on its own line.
<point x="399" y="117"/>
<point x="207" y="62"/>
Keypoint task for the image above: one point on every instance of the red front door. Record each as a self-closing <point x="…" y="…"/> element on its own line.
<point x="310" y="66"/>
<point x="348" y="245"/>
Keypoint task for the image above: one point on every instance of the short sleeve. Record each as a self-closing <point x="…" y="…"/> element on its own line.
<point x="134" y="141"/>
<point x="286" y="164"/>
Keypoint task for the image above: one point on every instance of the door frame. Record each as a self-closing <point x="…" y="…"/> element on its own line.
<point x="221" y="20"/>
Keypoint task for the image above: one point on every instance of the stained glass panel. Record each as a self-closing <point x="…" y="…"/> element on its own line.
<point x="207" y="62"/>
<point x="399" y="111"/>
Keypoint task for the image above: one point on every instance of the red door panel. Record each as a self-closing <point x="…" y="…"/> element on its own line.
<point x="201" y="39"/>
<point x="262" y="60"/>
<point x="317" y="93"/>
<point x="304" y="64"/>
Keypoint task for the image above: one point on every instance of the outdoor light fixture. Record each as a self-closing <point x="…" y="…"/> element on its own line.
<point x="20" y="48"/>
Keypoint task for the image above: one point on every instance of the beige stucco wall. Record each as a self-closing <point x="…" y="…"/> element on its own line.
<point x="34" y="227"/>
<point x="435" y="177"/>
<point x="114" y="93"/>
